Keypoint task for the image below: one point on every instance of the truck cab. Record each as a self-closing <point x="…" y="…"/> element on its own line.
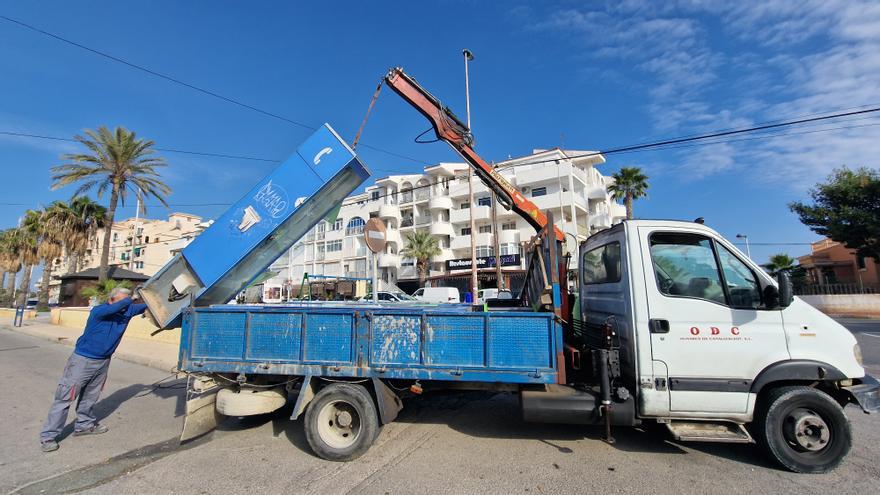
<point x="705" y="335"/>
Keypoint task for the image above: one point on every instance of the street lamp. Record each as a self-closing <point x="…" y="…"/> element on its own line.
<point x="745" y="238"/>
<point x="468" y="56"/>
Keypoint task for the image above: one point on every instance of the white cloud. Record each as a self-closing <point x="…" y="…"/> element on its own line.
<point x="708" y="65"/>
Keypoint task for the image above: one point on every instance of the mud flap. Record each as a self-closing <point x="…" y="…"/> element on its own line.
<point x="389" y="403"/>
<point x="306" y="393"/>
<point x="201" y="415"/>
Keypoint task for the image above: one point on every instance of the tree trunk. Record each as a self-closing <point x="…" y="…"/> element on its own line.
<point x="422" y="266"/>
<point x="24" y="286"/>
<point x="10" y="288"/>
<point x="43" y="302"/>
<point x="104" y="269"/>
<point x="629" y="206"/>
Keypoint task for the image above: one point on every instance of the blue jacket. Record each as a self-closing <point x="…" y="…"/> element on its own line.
<point x="104" y="329"/>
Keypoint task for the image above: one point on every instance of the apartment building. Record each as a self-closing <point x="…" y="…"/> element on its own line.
<point x="142" y="245"/>
<point x="437" y="201"/>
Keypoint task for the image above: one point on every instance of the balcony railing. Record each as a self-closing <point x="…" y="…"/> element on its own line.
<point x="406" y="222"/>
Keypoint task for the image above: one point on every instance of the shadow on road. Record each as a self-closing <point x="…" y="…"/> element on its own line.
<point x="108" y="405"/>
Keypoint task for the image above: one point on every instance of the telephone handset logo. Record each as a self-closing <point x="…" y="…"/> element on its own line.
<point x="325" y="151"/>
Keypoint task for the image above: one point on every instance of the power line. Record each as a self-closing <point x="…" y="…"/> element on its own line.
<point x="665" y="144"/>
<point x="193" y="87"/>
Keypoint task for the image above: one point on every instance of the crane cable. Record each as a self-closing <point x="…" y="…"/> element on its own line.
<point x="357" y="136"/>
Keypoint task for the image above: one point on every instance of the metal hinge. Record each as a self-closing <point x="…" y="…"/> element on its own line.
<point x="660" y="383"/>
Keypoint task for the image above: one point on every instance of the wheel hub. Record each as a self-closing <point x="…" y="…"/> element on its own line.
<point x="807" y="430"/>
<point x="339" y="425"/>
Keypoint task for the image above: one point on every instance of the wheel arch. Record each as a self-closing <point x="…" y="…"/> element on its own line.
<point x="387" y="402"/>
<point x="795" y="371"/>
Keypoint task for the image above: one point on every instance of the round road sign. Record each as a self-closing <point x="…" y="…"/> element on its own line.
<point x="374" y="235"/>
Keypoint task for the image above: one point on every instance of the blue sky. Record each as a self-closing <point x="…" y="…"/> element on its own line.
<point x="583" y="75"/>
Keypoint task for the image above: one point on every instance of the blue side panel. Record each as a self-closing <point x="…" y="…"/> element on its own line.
<point x="518" y="342"/>
<point x="396" y="340"/>
<point x="219" y="335"/>
<point x="328" y="338"/>
<point x="274" y="336"/>
<point x="455" y="340"/>
<point x="268" y="204"/>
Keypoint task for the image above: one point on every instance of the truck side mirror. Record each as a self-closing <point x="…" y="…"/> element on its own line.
<point x="786" y="295"/>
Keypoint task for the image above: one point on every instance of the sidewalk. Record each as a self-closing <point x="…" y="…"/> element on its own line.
<point x="159" y="355"/>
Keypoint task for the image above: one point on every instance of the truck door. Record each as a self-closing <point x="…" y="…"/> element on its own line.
<point x="706" y="322"/>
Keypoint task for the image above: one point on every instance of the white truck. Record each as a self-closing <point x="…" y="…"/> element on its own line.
<point x="715" y="348"/>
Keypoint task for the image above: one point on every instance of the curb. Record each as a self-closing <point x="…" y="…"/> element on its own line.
<point x="159" y="364"/>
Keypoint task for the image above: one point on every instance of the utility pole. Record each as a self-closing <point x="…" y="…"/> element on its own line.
<point x="468" y="56"/>
<point x="745" y="238"/>
<point x="499" y="281"/>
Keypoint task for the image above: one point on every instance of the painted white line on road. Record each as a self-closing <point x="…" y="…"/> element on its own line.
<point x="872" y="334"/>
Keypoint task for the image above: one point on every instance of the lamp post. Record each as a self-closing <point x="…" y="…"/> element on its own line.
<point x="468" y="56"/>
<point x="745" y="238"/>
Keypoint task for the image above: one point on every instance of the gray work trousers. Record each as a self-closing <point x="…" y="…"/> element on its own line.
<point x="82" y="380"/>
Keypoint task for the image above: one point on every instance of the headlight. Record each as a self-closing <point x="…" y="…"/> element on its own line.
<point x="857" y="353"/>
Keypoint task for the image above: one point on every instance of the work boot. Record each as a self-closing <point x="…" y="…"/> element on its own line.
<point x="49" y="446"/>
<point x="94" y="430"/>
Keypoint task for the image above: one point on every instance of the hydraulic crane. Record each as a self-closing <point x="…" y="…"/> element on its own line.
<point x="450" y="129"/>
<point x="545" y="283"/>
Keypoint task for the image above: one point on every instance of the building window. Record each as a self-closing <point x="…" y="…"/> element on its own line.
<point x="485" y="229"/>
<point x="466" y="231"/>
<point x="139" y="265"/>
<point x="337" y="225"/>
<point x="147" y="240"/>
<point x="374" y="195"/>
<point x="115" y="237"/>
<point x="860" y="262"/>
<point x="485" y="251"/>
<point x="509" y="248"/>
<point x="508" y="226"/>
<point x="539" y="191"/>
<point x="334" y="246"/>
<point x="355" y="226"/>
<point x="464" y="206"/>
<point x="407" y="262"/>
<point x="487" y="201"/>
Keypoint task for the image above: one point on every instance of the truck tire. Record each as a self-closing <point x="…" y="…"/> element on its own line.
<point x="341" y="422"/>
<point x="803" y="429"/>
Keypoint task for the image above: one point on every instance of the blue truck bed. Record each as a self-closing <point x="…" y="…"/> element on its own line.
<point x="448" y="342"/>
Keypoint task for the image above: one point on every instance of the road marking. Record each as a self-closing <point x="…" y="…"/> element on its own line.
<point x="877" y="335"/>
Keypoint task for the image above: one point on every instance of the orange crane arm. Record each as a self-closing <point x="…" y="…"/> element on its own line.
<point x="450" y="129"/>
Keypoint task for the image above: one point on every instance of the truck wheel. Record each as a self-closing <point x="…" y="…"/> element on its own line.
<point x="803" y="429"/>
<point x="341" y="422"/>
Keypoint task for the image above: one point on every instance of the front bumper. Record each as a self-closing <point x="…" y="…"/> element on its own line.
<point x="866" y="394"/>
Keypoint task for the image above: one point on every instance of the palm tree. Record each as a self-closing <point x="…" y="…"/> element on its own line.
<point x="421" y="246"/>
<point x="118" y="161"/>
<point x="780" y="262"/>
<point x="78" y="222"/>
<point x="10" y="262"/>
<point x="629" y="184"/>
<point x="54" y="231"/>
<point x="27" y="241"/>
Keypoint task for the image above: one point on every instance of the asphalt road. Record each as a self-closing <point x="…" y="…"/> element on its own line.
<point x="441" y="443"/>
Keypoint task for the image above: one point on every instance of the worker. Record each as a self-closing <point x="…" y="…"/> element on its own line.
<point x="86" y="369"/>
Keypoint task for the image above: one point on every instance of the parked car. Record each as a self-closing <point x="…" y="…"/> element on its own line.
<point x="484" y="294"/>
<point x="31" y="304"/>
<point x="388" y="297"/>
<point x="438" y="294"/>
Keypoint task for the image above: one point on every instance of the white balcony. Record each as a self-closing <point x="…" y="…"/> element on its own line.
<point x="388" y="260"/>
<point x="445" y="254"/>
<point x="407" y="272"/>
<point x="392" y="235"/>
<point x="442" y="228"/>
<point x="464" y="241"/>
<point x="553" y="200"/>
<point x="440" y="203"/>
<point x="597" y="192"/>
<point x="463" y="216"/>
<point x="389" y="211"/>
<point x="508" y="236"/>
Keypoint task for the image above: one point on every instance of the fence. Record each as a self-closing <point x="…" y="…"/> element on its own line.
<point x="836" y="289"/>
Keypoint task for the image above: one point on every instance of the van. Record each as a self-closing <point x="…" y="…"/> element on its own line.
<point x="437" y="295"/>
<point x="485" y="294"/>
